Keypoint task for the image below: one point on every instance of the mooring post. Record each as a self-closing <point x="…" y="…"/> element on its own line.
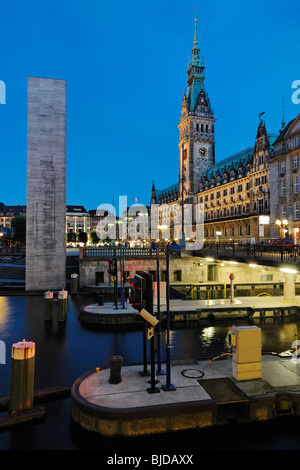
<point x="22" y="376"/>
<point x="48" y="296"/>
<point x="116" y="363"/>
<point x="74" y="283"/>
<point x="62" y="305"/>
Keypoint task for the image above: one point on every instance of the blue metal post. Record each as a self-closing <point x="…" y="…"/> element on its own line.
<point x="168" y="386"/>
<point x="122" y="258"/>
<point x="159" y="370"/>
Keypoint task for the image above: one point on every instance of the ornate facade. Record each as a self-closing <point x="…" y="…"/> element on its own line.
<point x="284" y="177"/>
<point x="236" y="193"/>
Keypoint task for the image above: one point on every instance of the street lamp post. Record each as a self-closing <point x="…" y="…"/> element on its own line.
<point x="145" y="371"/>
<point x="168" y="386"/>
<point x="153" y="246"/>
<point x="281" y="224"/>
<point x="122" y="266"/>
<point x="161" y="228"/>
<point x="218" y="234"/>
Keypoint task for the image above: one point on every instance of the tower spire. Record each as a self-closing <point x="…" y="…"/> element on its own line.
<point x="153" y="194"/>
<point x="195" y="36"/>
<point x="197" y="149"/>
<point x="195" y="50"/>
<point x="196" y="75"/>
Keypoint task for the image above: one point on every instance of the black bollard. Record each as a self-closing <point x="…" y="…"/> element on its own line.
<point x="100" y="299"/>
<point x="115" y="369"/>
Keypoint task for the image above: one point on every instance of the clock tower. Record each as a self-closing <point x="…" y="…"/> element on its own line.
<point x="196" y="128"/>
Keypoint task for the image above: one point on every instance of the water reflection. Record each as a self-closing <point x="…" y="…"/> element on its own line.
<point x="4" y="316"/>
<point x="199" y="341"/>
<point x="65" y="351"/>
<point x="278" y="334"/>
<point x="207" y="335"/>
<point x="206" y="339"/>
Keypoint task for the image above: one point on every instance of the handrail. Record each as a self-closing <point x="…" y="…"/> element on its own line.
<point x="116" y="252"/>
<point x="259" y="251"/>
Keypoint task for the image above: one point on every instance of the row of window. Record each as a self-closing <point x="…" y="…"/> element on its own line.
<point x="284" y="214"/>
<point x="203" y="128"/>
<point x="240" y="188"/>
<point x="228" y="231"/>
<point x="295" y="163"/>
<point x="295" y="185"/>
<point x="259" y="160"/>
<point x="240" y="209"/>
<point x="11" y="214"/>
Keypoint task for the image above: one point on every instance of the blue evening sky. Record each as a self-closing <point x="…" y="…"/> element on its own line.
<point x="125" y="66"/>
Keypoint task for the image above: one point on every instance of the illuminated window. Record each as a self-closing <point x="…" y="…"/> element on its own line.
<point x="282" y="188"/>
<point x="296" y="210"/>
<point x="296" y="184"/>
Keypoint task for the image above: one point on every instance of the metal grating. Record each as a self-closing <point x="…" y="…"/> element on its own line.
<point x="223" y="391"/>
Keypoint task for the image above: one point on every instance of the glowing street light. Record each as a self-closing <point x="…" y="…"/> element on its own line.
<point x="281" y="224"/>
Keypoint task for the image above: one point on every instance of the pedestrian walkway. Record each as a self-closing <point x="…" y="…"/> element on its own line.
<point x="276" y="372"/>
<point x="108" y="308"/>
<point x="259" y="302"/>
<point x="194" y="309"/>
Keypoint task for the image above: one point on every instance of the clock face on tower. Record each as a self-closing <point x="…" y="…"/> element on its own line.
<point x="202" y="152"/>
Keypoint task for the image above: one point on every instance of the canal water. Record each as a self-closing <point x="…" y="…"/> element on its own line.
<point x="64" y="351"/>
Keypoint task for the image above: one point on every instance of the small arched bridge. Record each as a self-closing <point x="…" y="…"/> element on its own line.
<point x="260" y="253"/>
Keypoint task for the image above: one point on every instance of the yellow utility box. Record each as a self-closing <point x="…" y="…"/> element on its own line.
<point x="246" y="352"/>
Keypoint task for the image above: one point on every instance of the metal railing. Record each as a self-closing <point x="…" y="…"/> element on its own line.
<point x="258" y="252"/>
<point x="12" y="251"/>
<point x="116" y="252"/>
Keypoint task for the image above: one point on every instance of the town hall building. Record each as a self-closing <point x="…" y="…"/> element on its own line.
<point x="234" y="193"/>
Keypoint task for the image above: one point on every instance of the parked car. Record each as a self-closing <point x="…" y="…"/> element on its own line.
<point x="276" y="244"/>
<point x="281" y="242"/>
